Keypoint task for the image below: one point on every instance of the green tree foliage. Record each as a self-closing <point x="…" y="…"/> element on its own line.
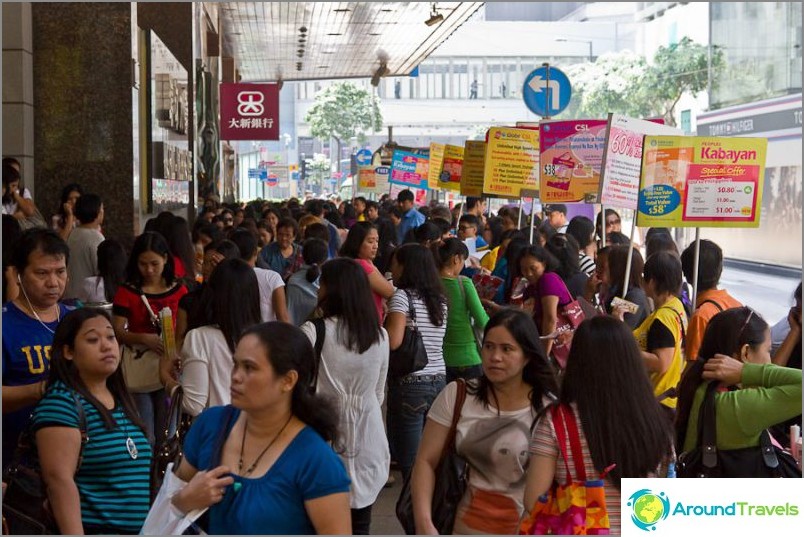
<point x="624" y="83"/>
<point x="344" y="111"/>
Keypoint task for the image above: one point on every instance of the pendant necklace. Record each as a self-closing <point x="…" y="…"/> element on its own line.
<point x="259" y="457"/>
<point x="131" y="446"/>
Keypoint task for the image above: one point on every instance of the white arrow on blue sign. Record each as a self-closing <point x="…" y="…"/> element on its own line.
<point x="363" y="157"/>
<point x="546" y="95"/>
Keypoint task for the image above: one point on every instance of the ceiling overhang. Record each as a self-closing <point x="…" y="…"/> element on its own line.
<point x="329" y="40"/>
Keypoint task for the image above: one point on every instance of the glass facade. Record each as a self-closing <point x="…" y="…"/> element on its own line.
<point x="761" y="44"/>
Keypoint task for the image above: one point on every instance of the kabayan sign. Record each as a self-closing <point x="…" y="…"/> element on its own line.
<point x="249" y="111"/>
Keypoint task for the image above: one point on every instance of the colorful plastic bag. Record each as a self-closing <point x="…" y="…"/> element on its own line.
<point x="577" y="507"/>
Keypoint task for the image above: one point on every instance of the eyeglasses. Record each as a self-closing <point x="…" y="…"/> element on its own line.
<point x="464" y="228"/>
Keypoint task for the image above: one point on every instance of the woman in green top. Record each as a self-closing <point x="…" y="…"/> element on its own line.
<point x="736" y="352"/>
<point x="465" y="314"/>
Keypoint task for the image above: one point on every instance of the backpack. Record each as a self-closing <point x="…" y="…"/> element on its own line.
<point x="26" y="509"/>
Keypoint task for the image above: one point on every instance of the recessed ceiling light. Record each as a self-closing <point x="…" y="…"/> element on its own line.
<point x="374" y="33"/>
<point x="341" y="10"/>
<point x="327" y="52"/>
<point x="323" y="66"/>
<point x="303" y="29"/>
<point x="333" y="33"/>
<point x="386" y="10"/>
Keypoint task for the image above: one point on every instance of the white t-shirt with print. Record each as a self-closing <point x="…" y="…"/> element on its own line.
<point x="432" y="335"/>
<point x="495" y="444"/>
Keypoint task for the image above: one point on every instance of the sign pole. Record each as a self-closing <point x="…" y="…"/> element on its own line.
<point x="630" y="258"/>
<point x="519" y="219"/>
<point x="547" y="90"/>
<point x="532" y="218"/>
<point x="603" y="225"/>
<point x="695" y="267"/>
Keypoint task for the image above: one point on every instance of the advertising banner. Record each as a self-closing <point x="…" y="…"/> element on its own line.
<point x="451" y="169"/>
<point x="622" y="158"/>
<point x="382" y="175"/>
<point x="436" y="163"/>
<point x="701" y="182"/>
<point x="366" y="179"/>
<point x="409" y="169"/>
<point x="249" y="111"/>
<point x="474" y="159"/>
<point x="571" y="153"/>
<point x="512" y="162"/>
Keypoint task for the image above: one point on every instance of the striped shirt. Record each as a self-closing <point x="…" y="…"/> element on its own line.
<point x="114" y="489"/>
<point x="545" y="443"/>
<point x="586" y="264"/>
<point x="433" y="336"/>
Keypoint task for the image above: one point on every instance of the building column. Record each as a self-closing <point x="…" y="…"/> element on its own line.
<point x="18" y="106"/>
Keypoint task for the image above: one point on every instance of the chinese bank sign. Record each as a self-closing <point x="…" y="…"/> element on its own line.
<point x="249" y="112"/>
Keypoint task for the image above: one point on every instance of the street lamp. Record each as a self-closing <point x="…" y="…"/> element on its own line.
<point x="588" y="42"/>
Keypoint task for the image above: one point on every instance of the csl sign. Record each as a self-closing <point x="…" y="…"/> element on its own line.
<point x="249" y="111"/>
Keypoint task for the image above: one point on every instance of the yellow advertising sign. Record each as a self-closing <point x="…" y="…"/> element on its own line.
<point x="451" y="168"/>
<point x="366" y="180"/>
<point x="512" y="162"/>
<point x="693" y="181"/>
<point x="436" y="162"/>
<point x="474" y="160"/>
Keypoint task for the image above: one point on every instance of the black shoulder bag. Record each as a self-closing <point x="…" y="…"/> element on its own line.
<point x="706" y="460"/>
<point x="451" y="478"/>
<point x="411" y="355"/>
<point x="26" y="509"/>
<point x="177" y="425"/>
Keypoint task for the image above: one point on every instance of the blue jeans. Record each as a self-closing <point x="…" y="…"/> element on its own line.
<point x="409" y="400"/>
<point x="467" y="372"/>
<point x="152" y="408"/>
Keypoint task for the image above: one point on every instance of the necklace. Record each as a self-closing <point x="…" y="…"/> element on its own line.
<point x="36" y="315"/>
<point x="131" y="446"/>
<point x="257" y="460"/>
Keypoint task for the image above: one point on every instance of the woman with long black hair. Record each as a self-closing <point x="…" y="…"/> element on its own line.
<point x="755" y="394"/>
<point x="420" y="292"/>
<point x="86" y="391"/>
<point x="363" y="244"/>
<point x="622" y="430"/>
<point x="352" y="370"/>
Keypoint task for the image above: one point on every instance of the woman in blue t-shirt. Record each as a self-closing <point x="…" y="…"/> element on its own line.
<point x="264" y="464"/>
<point x="92" y="447"/>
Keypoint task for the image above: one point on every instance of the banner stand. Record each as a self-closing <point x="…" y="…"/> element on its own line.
<point x="532" y="218"/>
<point x="519" y="220"/>
<point x="603" y="225"/>
<point x="695" y="267"/>
<point x="630" y="258"/>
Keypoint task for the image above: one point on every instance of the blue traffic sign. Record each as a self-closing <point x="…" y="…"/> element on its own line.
<point x="546" y="95"/>
<point x="363" y="157"/>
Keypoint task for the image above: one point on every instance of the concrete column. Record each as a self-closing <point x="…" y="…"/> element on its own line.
<point x="18" y="107"/>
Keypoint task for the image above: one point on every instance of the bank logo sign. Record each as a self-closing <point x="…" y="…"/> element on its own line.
<point x="671" y="506"/>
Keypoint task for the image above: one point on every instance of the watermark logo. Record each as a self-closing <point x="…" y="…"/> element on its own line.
<point x="648" y="508"/>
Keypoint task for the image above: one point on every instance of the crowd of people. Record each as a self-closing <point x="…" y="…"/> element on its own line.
<point x="288" y="318"/>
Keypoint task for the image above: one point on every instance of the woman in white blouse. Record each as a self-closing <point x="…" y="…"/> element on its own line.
<point x="352" y="368"/>
<point x="206" y="355"/>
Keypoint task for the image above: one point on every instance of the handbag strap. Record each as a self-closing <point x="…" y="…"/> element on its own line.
<point x="707" y="433"/>
<point x="460" y="398"/>
<point x="411" y="309"/>
<point x="174" y="411"/>
<point x="82" y="427"/>
<point x="563" y="416"/>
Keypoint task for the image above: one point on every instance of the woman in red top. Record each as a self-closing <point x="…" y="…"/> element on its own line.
<point x="149" y="273"/>
<point x="362" y="244"/>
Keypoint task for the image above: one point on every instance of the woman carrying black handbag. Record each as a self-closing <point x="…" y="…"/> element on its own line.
<point x="418" y="305"/>
<point x="735" y="353"/>
<point x="493" y="433"/>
